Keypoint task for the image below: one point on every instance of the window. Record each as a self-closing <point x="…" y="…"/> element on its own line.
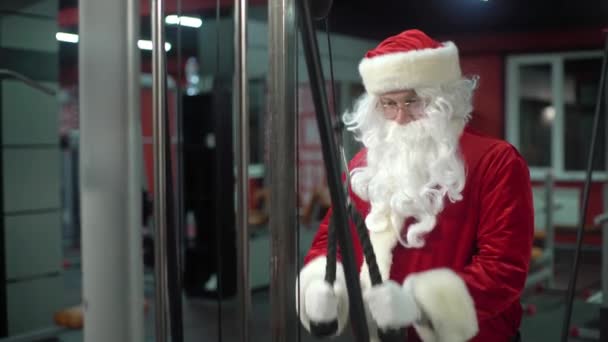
<point x="550" y="106"/>
<point x="581" y="83"/>
<point x="536" y="113"/>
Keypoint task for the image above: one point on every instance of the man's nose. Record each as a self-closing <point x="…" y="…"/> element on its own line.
<point x="402" y="116"/>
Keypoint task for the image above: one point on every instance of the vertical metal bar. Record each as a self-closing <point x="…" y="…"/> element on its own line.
<point x="282" y="162"/>
<point x="112" y="287"/>
<point x="179" y="189"/>
<point x="160" y="175"/>
<point x="3" y="249"/>
<point x="512" y="126"/>
<point x="557" y="126"/>
<point x="134" y="175"/>
<point x="242" y="108"/>
<point x="224" y="137"/>
<point x="550" y="208"/>
<point x="604" y="272"/>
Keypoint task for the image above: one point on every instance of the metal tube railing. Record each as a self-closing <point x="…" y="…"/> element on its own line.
<point x="160" y="175"/>
<point x="242" y="110"/>
<point x="282" y="168"/>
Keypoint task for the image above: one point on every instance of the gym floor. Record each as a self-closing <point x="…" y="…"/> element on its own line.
<point x="542" y="321"/>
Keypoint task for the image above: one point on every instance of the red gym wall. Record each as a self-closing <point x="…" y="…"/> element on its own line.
<point x="485" y="56"/>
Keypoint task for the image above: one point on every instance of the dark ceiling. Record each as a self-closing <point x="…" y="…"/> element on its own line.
<point x="377" y="19"/>
<point x="444" y="17"/>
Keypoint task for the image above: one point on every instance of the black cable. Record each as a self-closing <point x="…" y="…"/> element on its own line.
<point x="604" y="308"/>
<point x="331" y="262"/>
<point x="218" y="230"/>
<point x="366" y="245"/>
<point x="368" y="250"/>
<point x="297" y="153"/>
<point x="364" y="239"/>
<point x="330" y="156"/>
<point x="581" y="224"/>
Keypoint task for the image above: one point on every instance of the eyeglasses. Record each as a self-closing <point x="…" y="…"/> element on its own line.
<point x="412" y="106"/>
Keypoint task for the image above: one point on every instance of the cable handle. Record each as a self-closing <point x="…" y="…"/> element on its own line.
<point x="388" y="335"/>
<point x="327" y="329"/>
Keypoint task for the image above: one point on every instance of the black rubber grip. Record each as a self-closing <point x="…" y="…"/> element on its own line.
<point x="324" y="329"/>
<point x="393" y="335"/>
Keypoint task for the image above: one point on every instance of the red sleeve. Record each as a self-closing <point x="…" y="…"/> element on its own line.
<point x="319" y="243"/>
<point x="497" y="274"/>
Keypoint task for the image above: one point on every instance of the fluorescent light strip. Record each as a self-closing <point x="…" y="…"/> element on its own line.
<point x="174" y="19"/>
<point x="73" y="38"/>
<point x="147" y="45"/>
<point x="66" y="37"/>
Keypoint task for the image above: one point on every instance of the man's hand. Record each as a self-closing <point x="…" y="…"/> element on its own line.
<point x="392" y="306"/>
<point x="320" y="302"/>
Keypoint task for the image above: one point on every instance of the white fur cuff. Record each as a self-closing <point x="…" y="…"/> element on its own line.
<point x="315" y="270"/>
<point x="444" y="298"/>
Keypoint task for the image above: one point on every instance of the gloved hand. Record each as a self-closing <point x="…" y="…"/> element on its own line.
<point x="320" y="302"/>
<point x="391" y="305"/>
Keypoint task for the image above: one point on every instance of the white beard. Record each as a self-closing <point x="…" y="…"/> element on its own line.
<point x="410" y="171"/>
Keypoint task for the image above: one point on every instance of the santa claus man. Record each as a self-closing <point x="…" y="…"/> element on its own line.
<point x="449" y="211"/>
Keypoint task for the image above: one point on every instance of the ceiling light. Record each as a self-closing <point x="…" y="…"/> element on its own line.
<point x="66" y="37"/>
<point x="73" y="38"/>
<point x="183" y="21"/>
<point x="147" y="45"/>
<point x="548" y="114"/>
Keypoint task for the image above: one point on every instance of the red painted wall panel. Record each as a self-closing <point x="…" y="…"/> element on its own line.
<point x="485" y="55"/>
<point x="488" y="112"/>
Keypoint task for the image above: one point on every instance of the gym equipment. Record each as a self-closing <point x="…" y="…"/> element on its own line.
<point x="580" y="232"/>
<point x="339" y="226"/>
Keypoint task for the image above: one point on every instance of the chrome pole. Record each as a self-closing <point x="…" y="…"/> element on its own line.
<point x="108" y="68"/>
<point x="282" y="168"/>
<point x="242" y="108"/>
<point x="134" y="175"/>
<point x="160" y="176"/>
<point x="604" y="271"/>
<point x="550" y="207"/>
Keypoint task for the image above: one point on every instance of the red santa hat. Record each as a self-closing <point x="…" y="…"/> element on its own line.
<point x="409" y="60"/>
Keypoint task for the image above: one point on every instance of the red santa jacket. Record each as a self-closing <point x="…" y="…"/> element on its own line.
<point x="485" y="239"/>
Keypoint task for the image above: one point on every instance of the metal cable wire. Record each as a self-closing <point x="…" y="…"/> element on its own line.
<point x="218" y="232"/>
<point x="30" y="82"/>
<point x="297" y="152"/>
